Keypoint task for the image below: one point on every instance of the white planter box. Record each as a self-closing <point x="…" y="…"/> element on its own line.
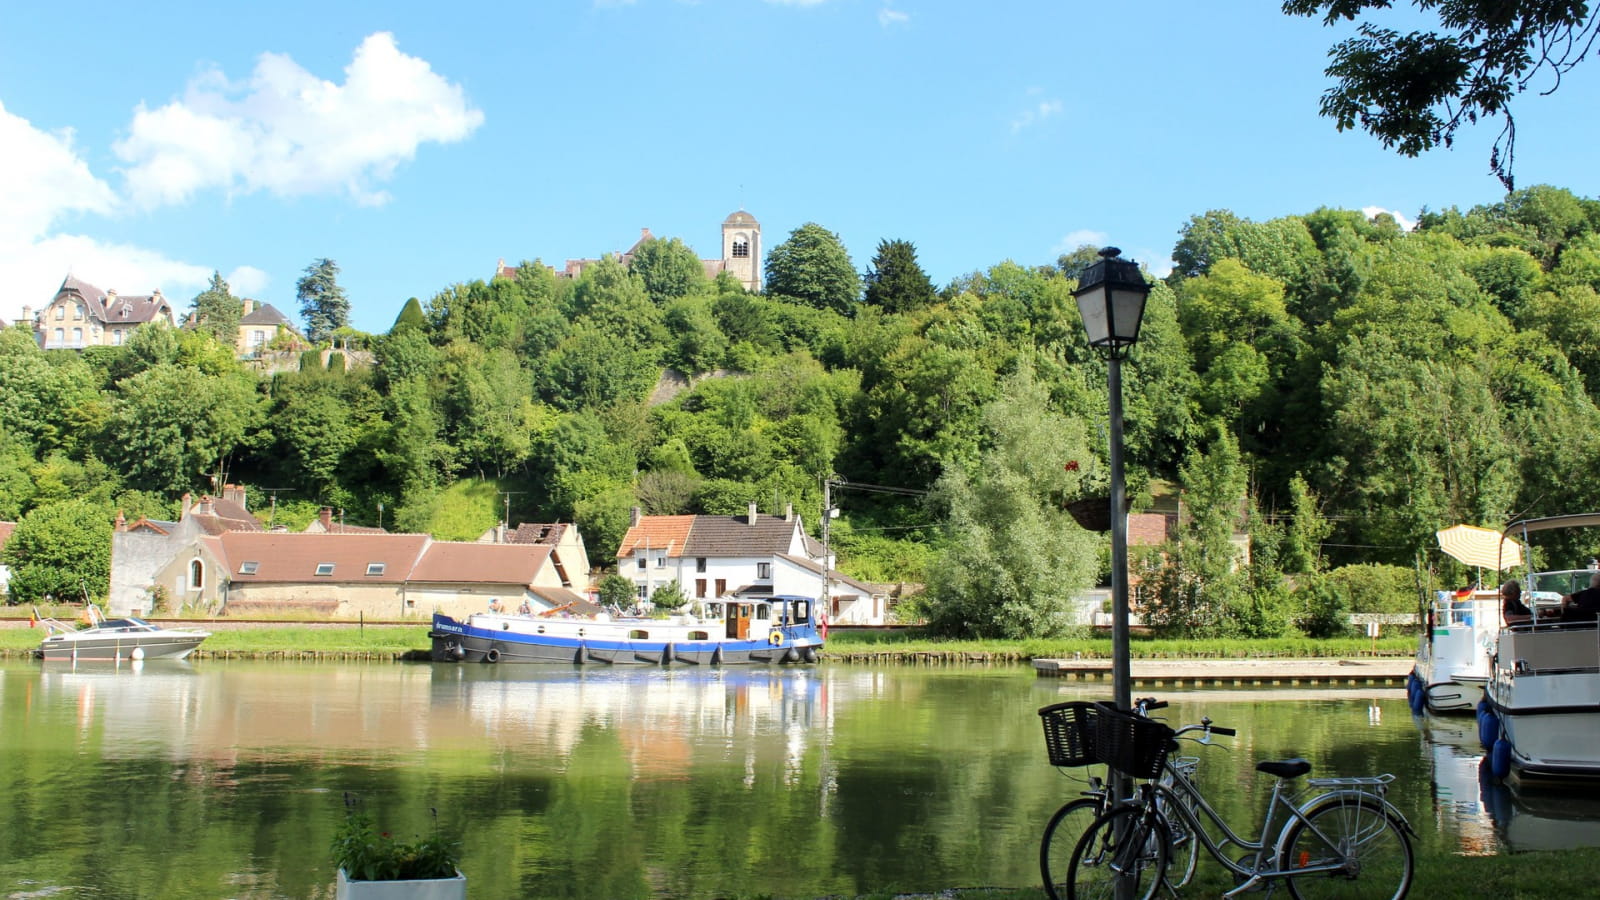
<point x="417" y="889"/>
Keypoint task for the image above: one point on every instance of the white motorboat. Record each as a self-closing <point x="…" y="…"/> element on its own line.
<point x="1542" y="701"/>
<point x="117" y="639"/>
<point x="1454" y="651"/>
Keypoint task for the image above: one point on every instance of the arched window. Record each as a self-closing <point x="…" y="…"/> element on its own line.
<point x="741" y="249"/>
<point x="197" y="575"/>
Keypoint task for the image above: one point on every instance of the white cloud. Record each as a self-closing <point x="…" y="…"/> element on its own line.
<point x="247" y="281"/>
<point x="889" y="16"/>
<point x="1035" y="114"/>
<point x="44" y="181"/>
<point x="1072" y="240"/>
<point x="286" y="131"/>
<point x="1405" y="223"/>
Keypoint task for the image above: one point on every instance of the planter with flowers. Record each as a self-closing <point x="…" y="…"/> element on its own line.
<point x="374" y="866"/>
<point x="1089" y="503"/>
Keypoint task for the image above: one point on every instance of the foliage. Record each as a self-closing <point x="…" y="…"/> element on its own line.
<point x="217" y="312"/>
<point x="365" y="854"/>
<point x="616" y="591"/>
<point x="668" y="597"/>
<point x="896" y="282"/>
<point x="813" y="267"/>
<point x="60" y="552"/>
<point x="1412" y="91"/>
<point x="668" y="268"/>
<point x="323" y="304"/>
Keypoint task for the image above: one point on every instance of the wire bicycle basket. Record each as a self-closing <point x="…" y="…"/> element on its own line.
<point x="1130" y="744"/>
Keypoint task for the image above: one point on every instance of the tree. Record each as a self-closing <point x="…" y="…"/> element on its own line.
<point x="896" y="281"/>
<point x="668" y="597"/>
<point x="616" y="591"/>
<point x="1413" y="91"/>
<point x="813" y="268"/>
<point x="217" y="311"/>
<point x="60" y="552"/>
<point x="668" y="268"/>
<point x="323" y="305"/>
<point x="410" y="316"/>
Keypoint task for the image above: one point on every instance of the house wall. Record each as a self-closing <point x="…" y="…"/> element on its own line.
<point x="734" y="571"/>
<point x="177" y="576"/>
<point x="378" y="601"/>
<point x="136" y="557"/>
<point x="463" y="600"/>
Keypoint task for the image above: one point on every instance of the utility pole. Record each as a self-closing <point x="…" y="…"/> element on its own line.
<point x="828" y="512"/>
<point x="506" y="523"/>
<point x="273" y="493"/>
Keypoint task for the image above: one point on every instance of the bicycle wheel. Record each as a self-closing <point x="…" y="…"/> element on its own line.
<point x="1183" y="852"/>
<point x="1122" y="847"/>
<point x="1369" y="848"/>
<point x="1061" y="838"/>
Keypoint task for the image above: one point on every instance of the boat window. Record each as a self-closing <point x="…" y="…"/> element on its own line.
<point x="802" y="610"/>
<point x="324" y="568"/>
<point x="638" y="634"/>
<point x="248" y="567"/>
<point x="699" y="636"/>
<point x="374" y="568"/>
<point x="762" y="612"/>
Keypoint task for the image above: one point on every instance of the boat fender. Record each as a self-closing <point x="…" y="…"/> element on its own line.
<point x="810" y="654"/>
<point x="1500" y="758"/>
<point x="493" y="655"/>
<point x="455" y="651"/>
<point x="775" y="638"/>
<point x="1419" y="698"/>
<point x="1488" y="728"/>
<point x="791" y="655"/>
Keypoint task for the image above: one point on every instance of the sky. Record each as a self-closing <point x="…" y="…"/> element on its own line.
<point x="144" y="146"/>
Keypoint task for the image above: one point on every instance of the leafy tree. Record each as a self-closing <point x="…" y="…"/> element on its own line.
<point x="410" y="316"/>
<point x="668" y="268"/>
<point x="1413" y="91"/>
<point x="1012" y="561"/>
<point x="668" y="597"/>
<point x="813" y="267"/>
<point x="60" y="552"/>
<point x="896" y="281"/>
<point x="171" y="424"/>
<point x="217" y="312"/>
<point x="323" y="304"/>
<point x="616" y="591"/>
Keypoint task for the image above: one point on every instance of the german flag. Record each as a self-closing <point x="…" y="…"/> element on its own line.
<point x="1463" y="593"/>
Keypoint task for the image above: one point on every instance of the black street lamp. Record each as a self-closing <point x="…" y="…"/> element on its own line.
<point x="1111" y="295"/>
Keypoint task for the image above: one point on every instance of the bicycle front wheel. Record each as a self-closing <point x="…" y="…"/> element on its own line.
<point x="1061" y="836"/>
<point x="1184" y="852"/>
<point x="1122" y="847"/>
<point x="1358" y="849"/>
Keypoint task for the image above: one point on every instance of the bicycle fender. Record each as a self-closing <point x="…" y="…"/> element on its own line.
<point x="1335" y="798"/>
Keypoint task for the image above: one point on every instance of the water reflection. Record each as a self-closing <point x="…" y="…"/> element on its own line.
<point x="212" y="779"/>
<point x="1492" y="816"/>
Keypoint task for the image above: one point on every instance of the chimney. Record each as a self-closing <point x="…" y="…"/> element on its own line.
<point x="204" y="507"/>
<point x="27" y="313"/>
<point x="644" y="234"/>
<point x="234" y="493"/>
<point x="249" y="306"/>
<point x="184" y="507"/>
<point x="325" y="516"/>
<point x="788" y="512"/>
<point x="752" y="519"/>
<point x="634" y="516"/>
<point x="122" y="522"/>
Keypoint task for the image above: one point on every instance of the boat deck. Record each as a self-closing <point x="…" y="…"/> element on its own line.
<point x="1378" y="671"/>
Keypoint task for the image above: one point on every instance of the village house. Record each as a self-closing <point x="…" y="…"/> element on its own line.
<point x="262" y="325"/>
<point x="82" y="315"/>
<point x="567" y="552"/>
<point x="151" y="562"/>
<point x="749" y="556"/>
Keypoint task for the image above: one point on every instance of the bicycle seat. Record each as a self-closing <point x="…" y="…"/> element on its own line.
<point x="1284" y="768"/>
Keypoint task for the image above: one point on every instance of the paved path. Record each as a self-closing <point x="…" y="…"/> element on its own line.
<point x="1233" y="672"/>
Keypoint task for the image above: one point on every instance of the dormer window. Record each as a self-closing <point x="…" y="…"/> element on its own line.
<point x="324" y="568"/>
<point x="249" y="567"/>
<point x="375" y="568"/>
<point x="61" y="313"/>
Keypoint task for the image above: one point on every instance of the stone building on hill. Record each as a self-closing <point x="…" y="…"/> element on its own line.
<point x="741" y="254"/>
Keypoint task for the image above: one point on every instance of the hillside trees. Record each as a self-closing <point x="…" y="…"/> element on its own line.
<point x="896" y="282"/>
<point x="61" y="551"/>
<point x="813" y="267"/>
<point x="217" y="312"/>
<point x="323" y="304"/>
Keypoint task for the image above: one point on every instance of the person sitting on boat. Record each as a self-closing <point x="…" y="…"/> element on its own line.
<point x="525" y="609"/>
<point x="1584" y="605"/>
<point x="494" y="605"/>
<point x="1511" y="606"/>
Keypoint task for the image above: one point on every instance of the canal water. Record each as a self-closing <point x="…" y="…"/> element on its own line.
<point x="227" y="779"/>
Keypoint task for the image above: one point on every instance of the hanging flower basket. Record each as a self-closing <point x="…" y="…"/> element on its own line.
<point x="1094" y="513"/>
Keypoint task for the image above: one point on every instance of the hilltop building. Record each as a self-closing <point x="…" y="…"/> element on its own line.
<point x="741" y="254"/>
<point x="82" y="315"/>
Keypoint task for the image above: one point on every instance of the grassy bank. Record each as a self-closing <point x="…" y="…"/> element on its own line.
<point x="348" y="640"/>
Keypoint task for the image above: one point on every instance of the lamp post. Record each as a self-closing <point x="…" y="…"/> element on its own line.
<point x="1111" y="295"/>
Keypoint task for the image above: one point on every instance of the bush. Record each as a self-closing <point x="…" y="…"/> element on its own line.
<point x="1376" y="588"/>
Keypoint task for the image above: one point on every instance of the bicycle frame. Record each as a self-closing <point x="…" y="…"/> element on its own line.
<point x="1175" y="794"/>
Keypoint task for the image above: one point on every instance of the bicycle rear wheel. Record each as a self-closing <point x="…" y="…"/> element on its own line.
<point x="1183" y="854"/>
<point x="1123" y="847"/>
<point x="1061" y="836"/>
<point x="1368" y="848"/>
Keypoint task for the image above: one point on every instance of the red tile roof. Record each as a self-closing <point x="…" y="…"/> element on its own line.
<point x="294" y="557"/>
<point x="481" y="563"/>
<point x="669" y="533"/>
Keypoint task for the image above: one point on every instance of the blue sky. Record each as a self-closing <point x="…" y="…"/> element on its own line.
<point x="143" y="146"/>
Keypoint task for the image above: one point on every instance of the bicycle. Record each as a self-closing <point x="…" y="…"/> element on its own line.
<point x="1340" y="837"/>
<point x="1070" y="742"/>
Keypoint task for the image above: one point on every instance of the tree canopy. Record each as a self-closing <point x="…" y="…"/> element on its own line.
<point x="323" y="304"/>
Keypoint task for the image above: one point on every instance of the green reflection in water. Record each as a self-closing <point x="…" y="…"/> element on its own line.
<point x="225" y="779"/>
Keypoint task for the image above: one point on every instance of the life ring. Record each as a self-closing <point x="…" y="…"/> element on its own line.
<point x="493" y="655"/>
<point x="775" y="638"/>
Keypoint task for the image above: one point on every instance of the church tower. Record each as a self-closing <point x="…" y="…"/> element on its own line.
<point x="741" y="249"/>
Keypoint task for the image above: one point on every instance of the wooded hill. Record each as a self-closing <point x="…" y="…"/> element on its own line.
<point x="1335" y="386"/>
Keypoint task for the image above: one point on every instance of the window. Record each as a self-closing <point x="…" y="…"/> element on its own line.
<point x="661" y="562"/>
<point x="77" y="312"/>
<point x="77" y="337"/>
<point x="324" y="568"/>
<point x="643" y="563"/>
<point x="638" y="634"/>
<point x="763" y="570"/>
<point x="699" y="587"/>
<point x="61" y="313"/>
<point x="197" y="575"/>
<point x="741" y="249"/>
<point x="60" y="337"/>
<point x="375" y="568"/>
<point x="644" y="593"/>
<point x="249" y="567"/>
<point x="699" y="636"/>
<point x="117" y="336"/>
<point x="700" y="564"/>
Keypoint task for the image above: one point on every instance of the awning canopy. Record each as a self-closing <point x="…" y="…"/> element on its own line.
<point x="1482" y="548"/>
